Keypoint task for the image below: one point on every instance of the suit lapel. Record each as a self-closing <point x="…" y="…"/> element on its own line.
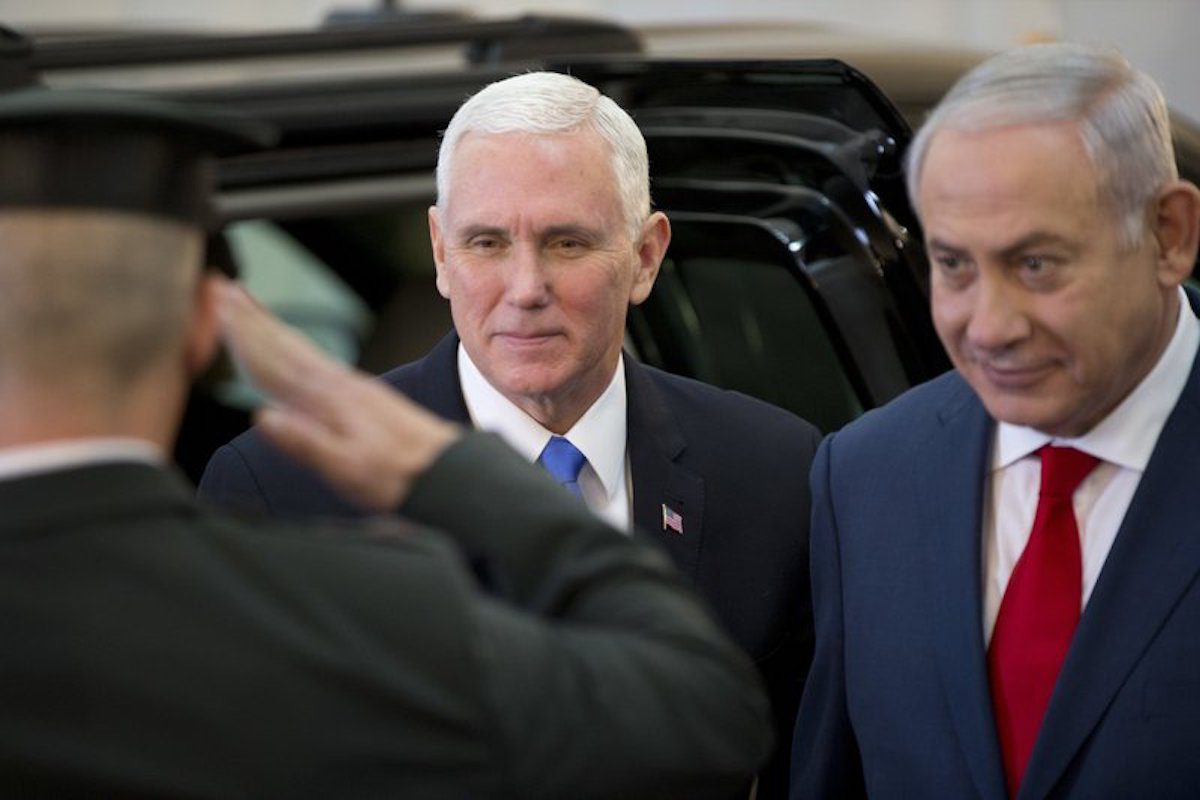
<point x="1154" y="559"/>
<point x="433" y="381"/>
<point x="654" y="440"/>
<point x="655" y="444"/>
<point x="951" y="512"/>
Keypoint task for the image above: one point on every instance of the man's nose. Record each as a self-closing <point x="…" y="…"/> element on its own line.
<point x="528" y="282"/>
<point x="998" y="316"/>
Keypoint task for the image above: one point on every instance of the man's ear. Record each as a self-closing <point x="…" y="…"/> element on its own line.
<point x="203" y="334"/>
<point x="656" y="236"/>
<point x="1176" y="224"/>
<point x="439" y="252"/>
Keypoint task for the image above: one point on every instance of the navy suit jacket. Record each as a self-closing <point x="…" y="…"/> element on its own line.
<point x="897" y="701"/>
<point x="733" y="467"/>
<point x="153" y="649"/>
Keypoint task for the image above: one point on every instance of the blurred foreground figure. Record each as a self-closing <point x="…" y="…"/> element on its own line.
<point x="1005" y="559"/>
<point x="152" y="648"/>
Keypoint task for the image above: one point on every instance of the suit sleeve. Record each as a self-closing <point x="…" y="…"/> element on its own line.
<point x="603" y="674"/>
<point x="229" y="482"/>
<point x="825" y="757"/>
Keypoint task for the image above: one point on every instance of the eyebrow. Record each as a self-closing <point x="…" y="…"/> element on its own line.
<point x="569" y="229"/>
<point x="1034" y="240"/>
<point x="937" y="244"/>
<point x="471" y="231"/>
<point x="580" y="231"/>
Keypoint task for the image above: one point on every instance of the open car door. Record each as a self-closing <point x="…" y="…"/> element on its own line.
<point x="812" y="151"/>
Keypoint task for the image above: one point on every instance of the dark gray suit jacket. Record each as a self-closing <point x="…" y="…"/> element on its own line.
<point x="735" y="468"/>
<point x="153" y="648"/>
<point x="897" y="703"/>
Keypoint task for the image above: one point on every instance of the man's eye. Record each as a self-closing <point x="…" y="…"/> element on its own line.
<point x="953" y="271"/>
<point x="1042" y="271"/>
<point x="484" y="243"/>
<point x="569" y="247"/>
<point x="1034" y="263"/>
<point x="950" y="264"/>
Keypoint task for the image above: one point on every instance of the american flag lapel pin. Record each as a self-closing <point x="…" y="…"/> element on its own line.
<point x="672" y="519"/>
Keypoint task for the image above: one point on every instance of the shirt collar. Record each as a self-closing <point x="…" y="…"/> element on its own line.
<point x="1127" y="436"/>
<point x="599" y="434"/>
<point x="26" y="460"/>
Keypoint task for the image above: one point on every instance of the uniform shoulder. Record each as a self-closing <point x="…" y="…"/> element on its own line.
<point x="331" y="553"/>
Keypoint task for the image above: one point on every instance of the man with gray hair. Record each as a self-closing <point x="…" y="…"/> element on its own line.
<point x="543" y="236"/>
<point x="1004" y="559"/>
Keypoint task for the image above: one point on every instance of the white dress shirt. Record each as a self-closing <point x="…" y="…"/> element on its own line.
<point x="1123" y="441"/>
<point x="599" y="435"/>
<point x="33" y="459"/>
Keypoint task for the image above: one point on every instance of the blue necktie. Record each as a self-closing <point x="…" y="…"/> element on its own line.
<point x="563" y="460"/>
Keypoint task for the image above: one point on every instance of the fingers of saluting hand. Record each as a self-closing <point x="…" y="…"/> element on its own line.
<point x="284" y="365"/>
<point x="367" y="440"/>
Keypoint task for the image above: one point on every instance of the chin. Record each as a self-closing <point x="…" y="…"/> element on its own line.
<point x="1055" y="422"/>
<point x="1017" y="411"/>
<point x="527" y="385"/>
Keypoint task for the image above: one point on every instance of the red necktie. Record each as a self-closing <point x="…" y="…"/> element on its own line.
<point x="1039" y="612"/>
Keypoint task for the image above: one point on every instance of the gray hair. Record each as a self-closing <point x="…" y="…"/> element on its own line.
<point x="92" y="297"/>
<point x="1121" y="114"/>
<point x="549" y="103"/>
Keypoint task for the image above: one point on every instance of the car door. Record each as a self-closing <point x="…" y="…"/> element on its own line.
<point x="811" y="150"/>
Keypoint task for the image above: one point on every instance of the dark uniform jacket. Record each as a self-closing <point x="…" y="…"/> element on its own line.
<point x="152" y="647"/>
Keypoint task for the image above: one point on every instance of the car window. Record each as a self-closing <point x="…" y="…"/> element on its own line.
<point x="297" y="286"/>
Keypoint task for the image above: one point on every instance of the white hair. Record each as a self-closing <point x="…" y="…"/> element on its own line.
<point x="1121" y="114"/>
<point x="550" y="103"/>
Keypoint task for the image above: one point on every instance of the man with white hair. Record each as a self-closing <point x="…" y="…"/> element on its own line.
<point x="543" y="236"/>
<point x="153" y="648"/>
<point x="1004" y="559"/>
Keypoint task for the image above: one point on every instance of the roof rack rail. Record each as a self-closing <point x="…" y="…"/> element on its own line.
<point x="15" y="67"/>
<point x="487" y="42"/>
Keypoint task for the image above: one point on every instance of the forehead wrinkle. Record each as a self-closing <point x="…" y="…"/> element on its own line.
<point x="994" y="146"/>
<point x="1031" y="240"/>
